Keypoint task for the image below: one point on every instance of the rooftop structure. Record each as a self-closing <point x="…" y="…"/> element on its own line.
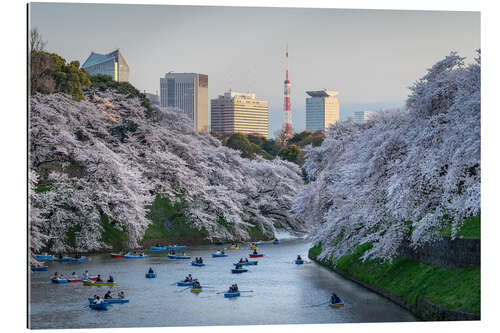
<point x="112" y="64"/>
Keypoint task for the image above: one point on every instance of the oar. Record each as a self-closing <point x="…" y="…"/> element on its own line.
<point x="311" y="306"/>
<point x="245" y="291"/>
<point x="180" y="291"/>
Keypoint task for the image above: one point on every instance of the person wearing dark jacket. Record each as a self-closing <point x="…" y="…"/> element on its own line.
<point x="334" y="299"/>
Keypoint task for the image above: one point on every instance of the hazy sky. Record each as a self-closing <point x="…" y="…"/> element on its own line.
<point x="369" y="56"/>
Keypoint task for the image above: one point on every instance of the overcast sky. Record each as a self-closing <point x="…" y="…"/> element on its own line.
<point x="369" y="56"/>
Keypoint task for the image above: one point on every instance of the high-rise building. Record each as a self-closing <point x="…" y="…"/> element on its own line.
<point x="189" y="93"/>
<point x="239" y="113"/>
<point x="361" y="117"/>
<point x="112" y="64"/>
<point x="322" y="109"/>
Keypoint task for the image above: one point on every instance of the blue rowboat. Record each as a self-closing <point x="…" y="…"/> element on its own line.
<point x="236" y="294"/>
<point x="276" y="242"/>
<point x="247" y="263"/>
<point x="59" y="280"/>
<point x="150" y="275"/>
<point x="81" y="259"/>
<point x="42" y="256"/>
<point x="259" y="243"/>
<point x="40" y="268"/>
<point x="299" y="261"/>
<point x="219" y="243"/>
<point x="218" y="255"/>
<point x="177" y="247"/>
<point x="100" y="306"/>
<point x="197" y="264"/>
<point x="111" y="300"/>
<point x="174" y="256"/>
<point x="237" y="271"/>
<point x="128" y="256"/>
<point x="185" y="284"/>
<point x="158" y="248"/>
<point x="63" y="259"/>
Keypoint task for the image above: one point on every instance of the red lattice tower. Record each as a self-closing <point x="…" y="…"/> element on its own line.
<point x="287" y="126"/>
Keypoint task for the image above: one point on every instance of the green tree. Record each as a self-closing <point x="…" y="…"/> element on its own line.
<point x="290" y="153"/>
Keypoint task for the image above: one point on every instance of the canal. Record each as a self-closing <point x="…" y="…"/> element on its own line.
<point x="283" y="292"/>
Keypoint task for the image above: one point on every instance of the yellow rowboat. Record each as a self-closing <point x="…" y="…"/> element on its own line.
<point x="254" y="248"/>
<point x="91" y="283"/>
<point x="198" y="290"/>
<point x="234" y="248"/>
<point x="336" y="305"/>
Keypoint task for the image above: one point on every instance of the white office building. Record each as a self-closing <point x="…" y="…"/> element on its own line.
<point x="189" y="93"/>
<point x="322" y="109"/>
<point x="361" y="117"/>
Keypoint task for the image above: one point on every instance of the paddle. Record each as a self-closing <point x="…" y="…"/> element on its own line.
<point x="311" y="306"/>
<point x="245" y="291"/>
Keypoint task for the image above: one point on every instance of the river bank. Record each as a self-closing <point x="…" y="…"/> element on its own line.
<point x="430" y="292"/>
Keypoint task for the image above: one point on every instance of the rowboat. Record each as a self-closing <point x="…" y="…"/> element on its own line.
<point x="219" y="243"/>
<point x="100" y="306"/>
<point x="68" y="259"/>
<point x="247" y="263"/>
<point x="253" y="247"/>
<point x="177" y="247"/>
<point x="299" y="261"/>
<point x="59" y="280"/>
<point x="218" y="255"/>
<point x="236" y="294"/>
<point x="39" y="268"/>
<point x="276" y="242"/>
<point x="185" y="284"/>
<point x="337" y="305"/>
<point x="239" y="270"/>
<point x="116" y="255"/>
<point x="81" y="280"/>
<point x="256" y="255"/>
<point x="111" y="300"/>
<point x="43" y="256"/>
<point x="158" y="248"/>
<point x="259" y="243"/>
<point x="197" y="264"/>
<point x="150" y="275"/>
<point x="174" y="256"/>
<point x="92" y="283"/>
<point x="197" y="290"/>
<point x="128" y="256"/>
<point x="234" y="248"/>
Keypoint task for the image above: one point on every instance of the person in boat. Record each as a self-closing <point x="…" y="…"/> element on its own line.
<point x="121" y="295"/>
<point x="188" y="278"/>
<point x="74" y="276"/>
<point x="86" y="275"/>
<point x="218" y="252"/>
<point x="142" y="254"/>
<point x="99" y="279"/>
<point x="238" y="266"/>
<point x="196" y="284"/>
<point x="334" y="299"/>
<point x="299" y="257"/>
<point x="241" y="260"/>
<point x="98" y="300"/>
<point x="108" y="295"/>
<point x="61" y="277"/>
<point x="150" y="270"/>
<point x="276" y="239"/>
<point x="111" y="279"/>
<point x="60" y="256"/>
<point x="78" y="256"/>
<point x="231" y="289"/>
<point x="255" y="252"/>
<point x="222" y="252"/>
<point x="158" y="245"/>
<point x="236" y="288"/>
<point x="56" y="275"/>
<point x="201" y="260"/>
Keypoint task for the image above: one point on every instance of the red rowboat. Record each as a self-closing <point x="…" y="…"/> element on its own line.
<point x="94" y="278"/>
<point x="256" y="255"/>
<point x="116" y="255"/>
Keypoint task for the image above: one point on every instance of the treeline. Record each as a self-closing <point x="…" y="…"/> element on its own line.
<point x="252" y="145"/>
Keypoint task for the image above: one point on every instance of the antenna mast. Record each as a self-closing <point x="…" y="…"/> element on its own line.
<point x="287" y="126"/>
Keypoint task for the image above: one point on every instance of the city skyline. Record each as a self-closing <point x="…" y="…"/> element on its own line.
<point x="369" y="56"/>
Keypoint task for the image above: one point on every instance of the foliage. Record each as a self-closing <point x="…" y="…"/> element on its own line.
<point x="248" y="149"/>
<point x="104" y="82"/>
<point x="418" y="165"/>
<point x="471" y="228"/>
<point x="290" y="153"/>
<point x="104" y="156"/>
<point x="49" y="73"/>
<point x="457" y="289"/>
